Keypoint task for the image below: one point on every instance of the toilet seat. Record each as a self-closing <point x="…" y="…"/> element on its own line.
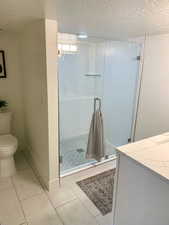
<point x="8" y="143"/>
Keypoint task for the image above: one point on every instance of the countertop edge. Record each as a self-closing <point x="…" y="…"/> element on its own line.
<point x="163" y="178"/>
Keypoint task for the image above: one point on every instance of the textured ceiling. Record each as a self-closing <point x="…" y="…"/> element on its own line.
<point x="16" y="13"/>
<point x="100" y="18"/>
<point x="113" y="18"/>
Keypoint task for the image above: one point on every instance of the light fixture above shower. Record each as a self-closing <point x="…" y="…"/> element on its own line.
<point x="82" y="36"/>
<point x="67" y="43"/>
<point x="67" y="48"/>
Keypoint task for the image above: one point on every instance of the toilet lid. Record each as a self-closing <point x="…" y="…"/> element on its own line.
<point x="7" y="140"/>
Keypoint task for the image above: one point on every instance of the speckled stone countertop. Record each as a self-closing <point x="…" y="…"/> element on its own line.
<point x="152" y="153"/>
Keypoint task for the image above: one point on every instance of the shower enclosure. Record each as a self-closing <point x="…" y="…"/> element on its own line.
<point x="93" y="68"/>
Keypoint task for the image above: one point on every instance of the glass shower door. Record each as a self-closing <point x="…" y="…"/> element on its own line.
<point x="121" y="82"/>
<point x="79" y="82"/>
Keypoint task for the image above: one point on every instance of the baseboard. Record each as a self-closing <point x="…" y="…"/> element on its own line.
<point x="53" y="184"/>
<point x="46" y="184"/>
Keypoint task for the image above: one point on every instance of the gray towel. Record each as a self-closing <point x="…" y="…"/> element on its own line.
<point x="95" y="147"/>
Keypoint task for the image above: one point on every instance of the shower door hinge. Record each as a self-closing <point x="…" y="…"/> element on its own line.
<point x="129" y="140"/>
<point x="60" y="159"/>
<point x="138" y="58"/>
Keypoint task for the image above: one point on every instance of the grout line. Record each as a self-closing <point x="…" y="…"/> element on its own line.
<point x="20" y="170"/>
<point x="53" y="206"/>
<point x="20" y="203"/>
<point x="31" y="196"/>
<point x="85" y="205"/>
<point x="65" y="203"/>
<point x="59" y="216"/>
<point x="43" y="190"/>
<point x="33" y="170"/>
<point x="36" y="181"/>
<point x="68" y="202"/>
<point x="30" y="167"/>
<point x="78" y="198"/>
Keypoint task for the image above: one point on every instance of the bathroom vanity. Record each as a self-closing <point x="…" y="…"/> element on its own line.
<point x="141" y="192"/>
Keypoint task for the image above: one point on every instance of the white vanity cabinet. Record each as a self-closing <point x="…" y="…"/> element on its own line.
<point x="141" y="192"/>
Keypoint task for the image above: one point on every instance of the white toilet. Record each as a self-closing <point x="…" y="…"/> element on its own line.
<point x="8" y="146"/>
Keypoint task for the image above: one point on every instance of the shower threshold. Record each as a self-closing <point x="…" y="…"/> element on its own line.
<point x="87" y="166"/>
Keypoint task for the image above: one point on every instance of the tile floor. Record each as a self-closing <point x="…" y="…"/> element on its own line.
<point x="24" y="202"/>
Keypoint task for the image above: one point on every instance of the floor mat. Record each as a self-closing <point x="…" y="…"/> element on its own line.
<point x="99" y="189"/>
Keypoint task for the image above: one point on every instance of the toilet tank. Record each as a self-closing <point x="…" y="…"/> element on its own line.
<point x="5" y="122"/>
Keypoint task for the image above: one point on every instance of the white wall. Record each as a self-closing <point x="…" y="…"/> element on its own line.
<point x="52" y="98"/>
<point x="11" y="87"/>
<point x="39" y="58"/>
<point x="153" y="114"/>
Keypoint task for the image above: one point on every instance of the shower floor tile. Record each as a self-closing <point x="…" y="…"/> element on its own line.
<point x="73" y="153"/>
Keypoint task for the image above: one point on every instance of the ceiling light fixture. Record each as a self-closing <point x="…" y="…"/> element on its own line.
<point x="82" y="36"/>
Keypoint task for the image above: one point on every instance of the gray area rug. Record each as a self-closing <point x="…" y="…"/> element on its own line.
<point x="99" y="190"/>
